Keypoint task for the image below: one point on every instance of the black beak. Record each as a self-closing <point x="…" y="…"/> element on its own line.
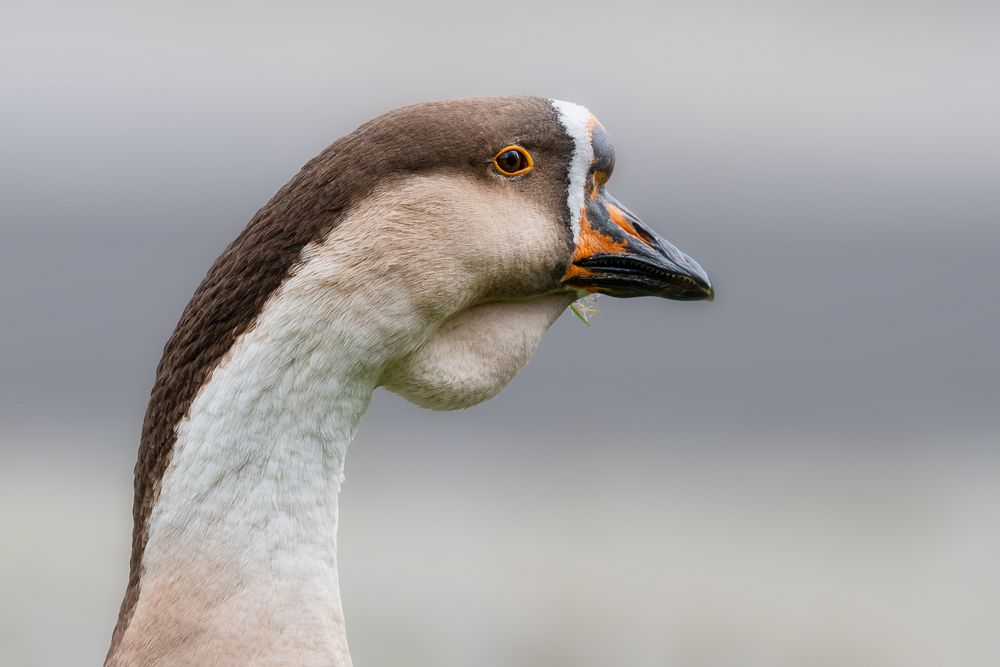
<point x="618" y="255"/>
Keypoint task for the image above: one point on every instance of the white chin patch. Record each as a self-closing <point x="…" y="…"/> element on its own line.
<point x="578" y="123"/>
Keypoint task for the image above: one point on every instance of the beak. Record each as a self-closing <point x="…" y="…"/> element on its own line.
<point x="618" y="255"/>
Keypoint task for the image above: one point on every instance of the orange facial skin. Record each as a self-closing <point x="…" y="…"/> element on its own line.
<point x="596" y="239"/>
<point x="591" y="243"/>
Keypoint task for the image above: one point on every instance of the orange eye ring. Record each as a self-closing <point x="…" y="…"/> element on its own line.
<point x="513" y="161"/>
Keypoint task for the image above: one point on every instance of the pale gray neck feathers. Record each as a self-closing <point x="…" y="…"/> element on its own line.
<point x="241" y="563"/>
<point x="240" y="566"/>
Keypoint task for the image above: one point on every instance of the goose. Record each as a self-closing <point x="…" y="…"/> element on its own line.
<point x="426" y="252"/>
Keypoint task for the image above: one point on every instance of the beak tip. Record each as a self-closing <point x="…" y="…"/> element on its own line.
<point x="700" y="276"/>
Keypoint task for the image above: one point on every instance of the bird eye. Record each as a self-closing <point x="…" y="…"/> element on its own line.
<point x="513" y="161"/>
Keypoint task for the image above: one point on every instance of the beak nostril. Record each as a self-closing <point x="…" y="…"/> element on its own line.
<point x="643" y="233"/>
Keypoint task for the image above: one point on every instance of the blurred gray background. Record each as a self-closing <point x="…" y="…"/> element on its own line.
<point x="803" y="473"/>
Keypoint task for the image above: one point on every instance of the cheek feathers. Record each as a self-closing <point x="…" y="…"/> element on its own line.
<point x="450" y="241"/>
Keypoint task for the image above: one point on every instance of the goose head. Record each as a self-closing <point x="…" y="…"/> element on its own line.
<point x="481" y="220"/>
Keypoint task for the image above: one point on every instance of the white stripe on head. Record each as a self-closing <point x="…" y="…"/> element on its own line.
<point x="578" y="123"/>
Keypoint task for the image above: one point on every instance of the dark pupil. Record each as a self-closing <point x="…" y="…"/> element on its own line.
<point x="510" y="161"/>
